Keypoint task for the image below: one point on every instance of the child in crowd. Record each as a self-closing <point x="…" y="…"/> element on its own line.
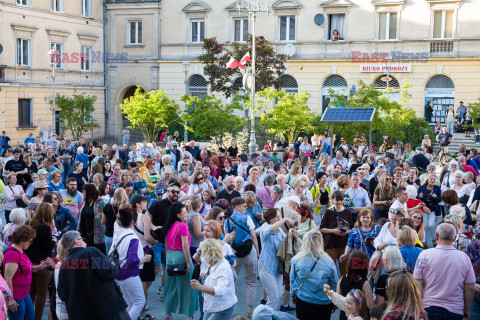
<point x="354" y="304"/>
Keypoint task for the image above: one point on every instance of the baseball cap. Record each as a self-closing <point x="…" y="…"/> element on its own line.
<point x="137" y="199"/>
<point x="264" y="312"/>
<point x="42" y="171"/>
<point x="159" y="191"/>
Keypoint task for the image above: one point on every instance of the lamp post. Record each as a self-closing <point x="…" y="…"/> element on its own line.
<point x="185" y="70"/>
<point x="53" y="56"/>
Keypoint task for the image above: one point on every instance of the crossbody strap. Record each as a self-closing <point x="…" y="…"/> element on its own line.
<point x="248" y="232"/>
<point x="307" y="276"/>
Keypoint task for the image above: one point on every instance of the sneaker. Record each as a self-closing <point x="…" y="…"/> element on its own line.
<point x="287" y="308"/>
<point x="147" y="317"/>
<point x="263" y="301"/>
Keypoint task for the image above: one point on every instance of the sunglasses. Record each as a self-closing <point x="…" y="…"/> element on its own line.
<point x="417" y="218"/>
<point x="174" y="191"/>
<point x="221" y="218"/>
<point x="129" y="184"/>
<point x="81" y="238"/>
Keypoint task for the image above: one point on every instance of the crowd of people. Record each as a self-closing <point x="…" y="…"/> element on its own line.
<point x="88" y="229"/>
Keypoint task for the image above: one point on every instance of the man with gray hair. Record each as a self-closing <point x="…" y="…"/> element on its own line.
<point x="86" y="282"/>
<point x="229" y="192"/>
<point x="277" y="195"/>
<point x="265" y="192"/>
<point x="446" y="277"/>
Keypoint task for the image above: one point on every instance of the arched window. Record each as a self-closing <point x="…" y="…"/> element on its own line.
<point x="440" y="81"/>
<point x="440" y="90"/>
<point x="197" y="86"/>
<point x="333" y="82"/>
<point x="289" y="84"/>
<point x="381" y="82"/>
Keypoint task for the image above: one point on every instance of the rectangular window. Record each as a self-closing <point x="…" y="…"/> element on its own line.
<point x="443" y="24"/>
<point x="87" y="8"/>
<point x="22" y="2"/>
<point x="57" y="5"/>
<point x="198" y="30"/>
<point x="86" y="58"/>
<point x="135" y="32"/>
<point x="23" y="52"/>
<point x="58" y="47"/>
<point x="25" y="113"/>
<point x="387" y="25"/>
<point x="336" y="27"/>
<point x="287" y="28"/>
<point x="241" y="30"/>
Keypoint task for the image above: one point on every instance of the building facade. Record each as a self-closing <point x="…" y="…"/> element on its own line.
<point x="431" y="44"/>
<point x="29" y="29"/>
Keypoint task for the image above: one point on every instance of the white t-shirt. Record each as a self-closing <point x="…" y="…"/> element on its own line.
<point x="397" y="205"/>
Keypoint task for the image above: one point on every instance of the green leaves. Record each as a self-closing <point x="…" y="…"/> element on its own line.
<point x="475" y="113"/>
<point x="287" y="114"/>
<point x="150" y="112"/>
<point x="76" y="113"/>
<point x="209" y="117"/>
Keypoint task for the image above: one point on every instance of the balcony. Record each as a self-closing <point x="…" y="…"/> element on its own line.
<point x="441" y="46"/>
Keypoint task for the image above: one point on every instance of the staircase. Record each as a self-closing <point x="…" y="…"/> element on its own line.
<point x="459" y="139"/>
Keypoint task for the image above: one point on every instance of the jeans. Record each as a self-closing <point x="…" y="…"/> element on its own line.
<point x="200" y="305"/>
<point x="429" y="221"/>
<point x="67" y="170"/>
<point x="159" y="251"/>
<point x="132" y="290"/>
<point x="221" y="315"/>
<point x="450" y="127"/>
<point x="39" y="290"/>
<point x="306" y="310"/>
<point x="428" y="118"/>
<point x="439" y="313"/>
<point x="475" y="310"/>
<point x="273" y="288"/>
<point x="7" y="216"/>
<point x="108" y="243"/>
<point x="24" y="310"/>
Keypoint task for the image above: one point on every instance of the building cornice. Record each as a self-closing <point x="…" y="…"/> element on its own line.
<point x="17" y="27"/>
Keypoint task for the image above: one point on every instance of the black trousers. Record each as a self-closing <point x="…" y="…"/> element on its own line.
<point x="308" y="311"/>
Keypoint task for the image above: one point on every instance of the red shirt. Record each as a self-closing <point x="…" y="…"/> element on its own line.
<point x="469" y="169"/>
<point x="413" y="203"/>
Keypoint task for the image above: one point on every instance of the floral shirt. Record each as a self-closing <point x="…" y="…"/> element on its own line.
<point x="347" y="200"/>
<point x="358" y="238"/>
<point x="98" y="234"/>
<point x="7" y="233"/>
<point x="473" y="252"/>
<point x="397" y="313"/>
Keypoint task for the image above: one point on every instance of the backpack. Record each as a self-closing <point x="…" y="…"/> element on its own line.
<point x="114" y="256"/>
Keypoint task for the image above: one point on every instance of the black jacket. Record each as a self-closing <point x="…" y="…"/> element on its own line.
<point x="428" y="110"/>
<point x="86" y="285"/>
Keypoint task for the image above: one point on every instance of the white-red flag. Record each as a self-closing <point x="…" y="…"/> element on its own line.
<point x="232" y="64"/>
<point x="245" y="58"/>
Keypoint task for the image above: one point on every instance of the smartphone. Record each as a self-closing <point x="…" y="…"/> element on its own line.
<point x="294" y="225"/>
<point x="233" y="228"/>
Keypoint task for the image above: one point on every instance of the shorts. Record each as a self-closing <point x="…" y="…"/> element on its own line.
<point x="159" y="250"/>
<point x="147" y="274"/>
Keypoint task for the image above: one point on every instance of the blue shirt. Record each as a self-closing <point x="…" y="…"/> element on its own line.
<point x="241" y="227"/>
<point x="326" y="146"/>
<point x="325" y="272"/>
<point x="28" y="140"/>
<point x="60" y="186"/>
<point x="360" y="197"/>
<point x="270" y="243"/>
<point x="83" y="158"/>
<point x="4" y="141"/>
<point x="214" y="182"/>
<point x="410" y="255"/>
<point x="252" y="212"/>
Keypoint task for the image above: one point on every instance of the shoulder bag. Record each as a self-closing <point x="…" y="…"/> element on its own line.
<point x="295" y="298"/>
<point x="18" y="202"/>
<point x="114" y="256"/>
<point x="244" y="249"/>
<point x="174" y="270"/>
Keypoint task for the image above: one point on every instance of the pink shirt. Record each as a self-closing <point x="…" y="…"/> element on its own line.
<point x="264" y="193"/>
<point x="23" y="276"/>
<point x="174" y="237"/>
<point x="443" y="271"/>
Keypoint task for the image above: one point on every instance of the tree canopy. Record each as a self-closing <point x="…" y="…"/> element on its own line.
<point x="150" y="112"/>
<point x="76" y="113"/>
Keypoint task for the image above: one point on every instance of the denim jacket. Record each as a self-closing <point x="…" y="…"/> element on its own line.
<point x="311" y="291"/>
<point x="64" y="219"/>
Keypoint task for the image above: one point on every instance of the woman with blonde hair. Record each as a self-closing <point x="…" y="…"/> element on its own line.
<point x="343" y="183"/>
<point x="195" y="222"/>
<point x="406" y="242"/>
<point x="311" y="268"/>
<point x="166" y="164"/>
<point x="110" y="212"/>
<point x="219" y="285"/>
<point x="41" y="250"/>
<point x="418" y="224"/>
<point x="392" y="260"/>
<point x="383" y="197"/>
<point x="253" y="176"/>
<point x="151" y="176"/>
<point x="404" y="298"/>
<point x="461" y="240"/>
<point x="295" y="172"/>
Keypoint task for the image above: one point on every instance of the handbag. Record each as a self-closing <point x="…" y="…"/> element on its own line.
<point x="18" y="202"/>
<point x="114" y="256"/>
<point x="295" y="298"/>
<point x="244" y="249"/>
<point x="174" y="270"/>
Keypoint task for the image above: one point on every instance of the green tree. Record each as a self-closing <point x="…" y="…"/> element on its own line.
<point x="269" y="64"/>
<point x="76" y="113"/>
<point x="283" y="113"/>
<point x="150" y="112"/>
<point x="209" y="117"/>
<point x="475" y="113"/>
<point x="391" y="118"/>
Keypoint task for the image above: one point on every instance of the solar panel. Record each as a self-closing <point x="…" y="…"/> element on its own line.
<point x="348" y="115"/>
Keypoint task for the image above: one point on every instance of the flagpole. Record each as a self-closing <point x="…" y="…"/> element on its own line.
<point x="253" y="144"/>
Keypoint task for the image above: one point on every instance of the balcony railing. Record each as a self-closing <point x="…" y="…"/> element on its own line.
<point x="441" y="46"/>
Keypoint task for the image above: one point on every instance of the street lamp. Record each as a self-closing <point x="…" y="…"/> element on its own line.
<point x="53" y="56"/>
<point x="185" y="65"/>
